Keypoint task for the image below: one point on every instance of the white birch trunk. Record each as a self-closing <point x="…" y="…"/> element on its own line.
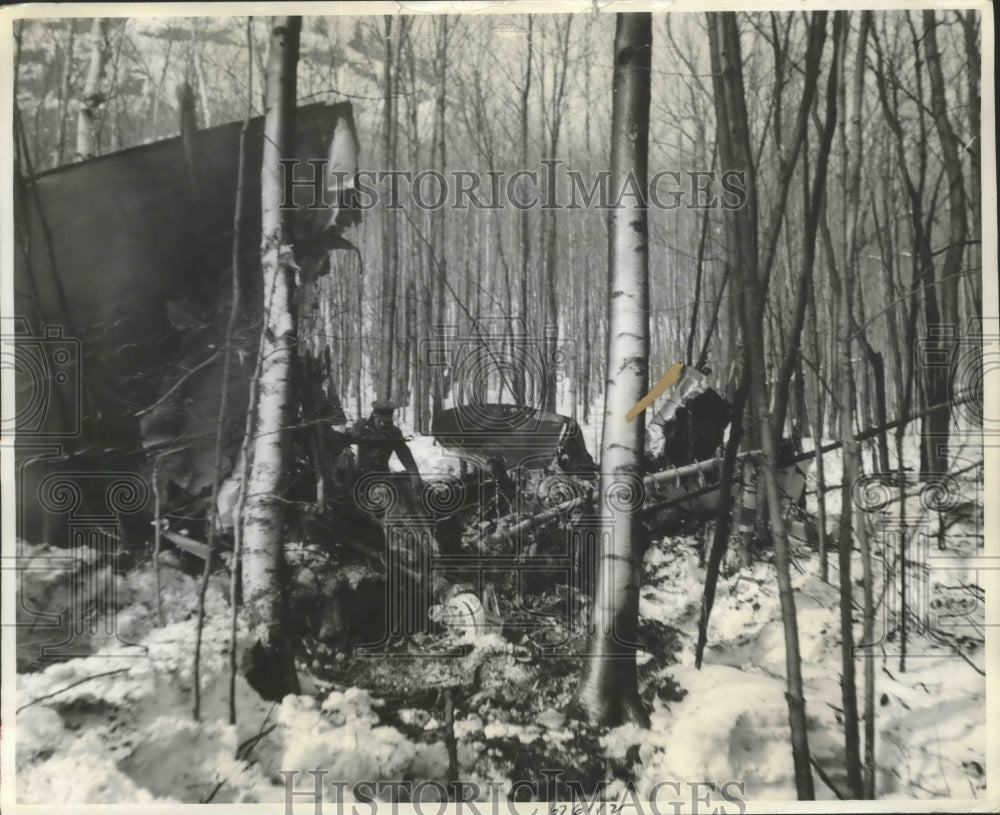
<point x="269" y="665"/>
<point x="608" y="692"/>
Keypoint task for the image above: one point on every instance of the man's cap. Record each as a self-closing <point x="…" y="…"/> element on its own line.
<point x="384" y="406"/>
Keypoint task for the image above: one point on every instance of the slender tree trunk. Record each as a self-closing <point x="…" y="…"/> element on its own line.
<point x="549" y="216"/>
<point x="525" y="227"/>
<point x="723" y="516"/>
<point x="199" y="72"/>
<point x="64" y="90"/>
<point x="951" y="267"/>
<point x="92" y="97"/>
<point x="853" y="213"/>
<point x="799" y="425"/>
<point x="269" y="664"/>
<point x="699" y="275"/>
<point x="845" y="549"/>
<point x="113" y="113"/>
<point x="402" y="268"/>
<point x="551" y="326"/>
<point x="359" y="349"/>
<point x="734" y="153"/>
<point x="970" y="31"/>
<point x="824" y="566"/>
<point x="221" y="432"/>
<point x="714" y="320"/>
<point x="869" y="656"/>
<point x="188" y="130"/>
<point x="236" y="565"/>
<point x="804" y="283"/>
<point x="877" y="365"/>
<point x="608" y="690"/>
<point x="814" y="52"/>
<point x="438" y="244"/>
<point x="922" y="265"/>
<point x="923" y="275"/>
<point x="388" y="293"/>
<point x="18" y="44"/>
<point x="845" y="539"/>
<point x="424" y="273"/>
<point x="154" y="112"/>
<point x="842" y="280"/>
<point x="586" y="363"/>
<point x="885" y="235"/>
<point x="852" y="450"/>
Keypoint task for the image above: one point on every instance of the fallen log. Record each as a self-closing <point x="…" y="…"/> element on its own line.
<point x="872" y="432"/>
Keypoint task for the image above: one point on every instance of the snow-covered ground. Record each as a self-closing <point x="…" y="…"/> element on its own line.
<point x="117" y="726"/>
<point x="733" y="722"/>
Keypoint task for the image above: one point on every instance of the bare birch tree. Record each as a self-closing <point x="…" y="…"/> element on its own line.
<point x="268" y="665"/>
<point x="92" y="97"/>
<point x="608" y="690"/>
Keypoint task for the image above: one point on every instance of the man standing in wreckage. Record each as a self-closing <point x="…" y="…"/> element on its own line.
<point x="378" y="438"/>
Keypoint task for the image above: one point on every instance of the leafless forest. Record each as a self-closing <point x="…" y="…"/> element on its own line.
<point x="780" y="213"/>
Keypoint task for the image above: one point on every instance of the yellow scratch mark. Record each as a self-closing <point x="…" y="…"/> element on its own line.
<point x="672" y="375"/>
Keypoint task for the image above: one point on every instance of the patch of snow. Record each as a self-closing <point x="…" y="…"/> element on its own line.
<point x="76" y="776"/>
<point x="526" y="734"/>
<point x="733" y="722"/>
